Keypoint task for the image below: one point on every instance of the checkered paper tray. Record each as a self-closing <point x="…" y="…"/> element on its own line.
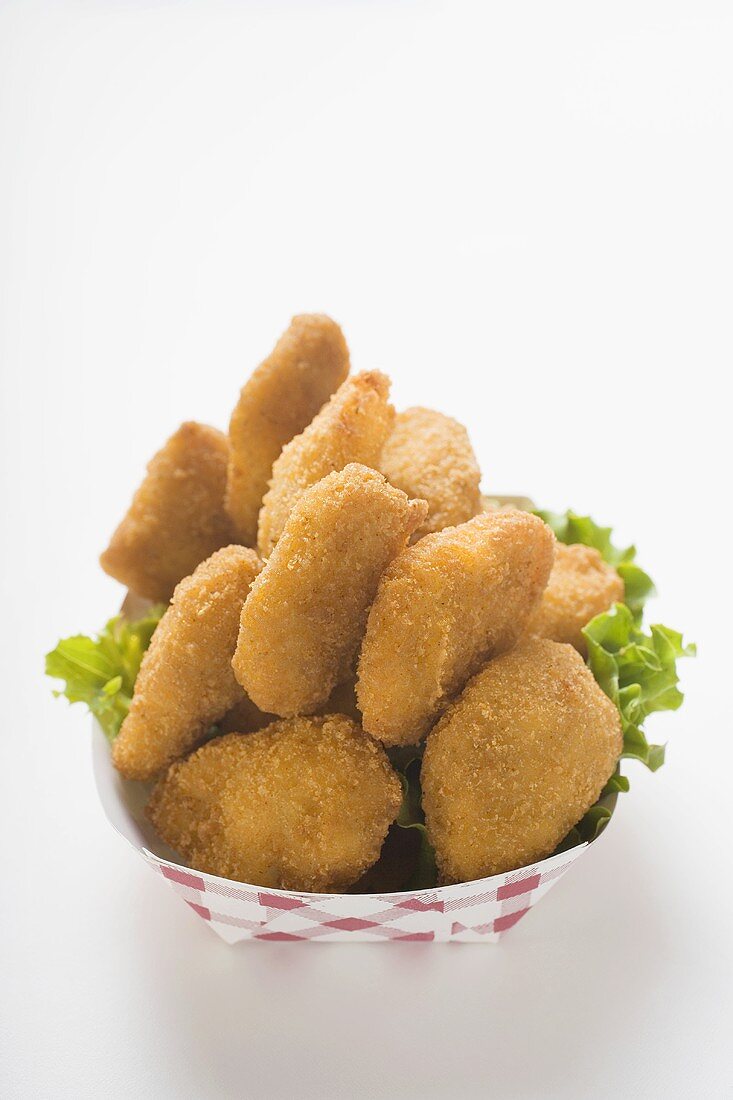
<point x="475" y="912"/>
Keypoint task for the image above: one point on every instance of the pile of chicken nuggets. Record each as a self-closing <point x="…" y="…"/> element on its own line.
<point x="341" y="594"/>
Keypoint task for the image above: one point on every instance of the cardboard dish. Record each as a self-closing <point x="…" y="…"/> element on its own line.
<point x="475" y="912"/>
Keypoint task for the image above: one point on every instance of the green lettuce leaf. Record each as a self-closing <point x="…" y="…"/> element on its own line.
<point x="638" y="672"/>
<point x="101" y="671"/>
<point x="594" y="821"/>
<point x="425" y="873"/>
<point x="571" y="528"/>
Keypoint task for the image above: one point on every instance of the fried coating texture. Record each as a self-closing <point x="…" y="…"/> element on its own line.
<point x="176" y="518"/>
<point x="185" y="682"/>
<point x="429" y="455"/>
<point x="443" y="608"/>
<point x="305" y="615"/>
<point x="302" y="805"/>
<point x="581" y="586"/>
<point x="352" y="427"/>
<point x="309" y="362"/>
<point x="517" y="761"/>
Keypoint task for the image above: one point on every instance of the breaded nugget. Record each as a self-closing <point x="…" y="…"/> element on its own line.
<point x="305" y="615"/>
<point x="517" y="761"/>
<point x="309" y="362"/>
<point x="443" y="607"/>
<point x="581" y="586"/>
<point x="302" y="805"/>
<point x="429" y="455"/>
<point x="185" y="682"/>
<point x="352" y="427"/>
<point x="177" y="516"/>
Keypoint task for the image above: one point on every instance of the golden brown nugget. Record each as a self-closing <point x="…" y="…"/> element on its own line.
<point x="352" y="427"/>
<point x="309" y="362"/>
<point x="515" y="763"/>
<point x="581" y="586"/>
<point x="305" y="615"/>
<point x="443" y="608"/>
<point x="429" y="455"/>
<point x="185" y="682"/>
<point x="302" y="805"/>
<point x="177" y="516"/>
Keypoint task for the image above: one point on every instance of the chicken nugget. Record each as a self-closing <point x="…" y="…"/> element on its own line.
<point x="305" y="615"/>
<point x="443" y="608"/>
<point x="581" y="586"/>
<point x="429" y="455"/>
<point x="177" y="516"/>
<point x="302" y="805"/>
<point x="185" y="682"/>
<point x="517" y="760"/>
<point x="309" y="362"/>
<point x="352" y="427"/>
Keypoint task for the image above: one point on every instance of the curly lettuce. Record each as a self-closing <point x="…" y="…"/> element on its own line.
<point x="638" y="672"/>
<point x="571" y="528"/>
<point x="101" y="671"/>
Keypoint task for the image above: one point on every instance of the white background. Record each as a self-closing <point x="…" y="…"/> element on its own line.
<point x="523" y="213"/>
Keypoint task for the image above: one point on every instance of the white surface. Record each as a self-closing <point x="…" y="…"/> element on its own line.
<point x="521" y="212"/>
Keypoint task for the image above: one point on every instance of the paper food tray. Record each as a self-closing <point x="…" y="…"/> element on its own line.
<point x="476" y="912"/>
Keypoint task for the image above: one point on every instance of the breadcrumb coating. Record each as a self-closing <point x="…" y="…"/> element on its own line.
<point x="304" y="618"/>
<point x="443" y="608"/>
<point x="352" y="427"/>
<point x="581" y="586"/>
<point x="302" y="805"/>
<point x="429" y="455"/>
<point x="185" y="682"/>
<point x="309" y="362"/>
<point x="176" y="518"/>
<point x="515" y="763"/>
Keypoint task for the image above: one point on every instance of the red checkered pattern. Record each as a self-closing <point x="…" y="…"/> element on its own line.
<point x="476" y="911"/>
